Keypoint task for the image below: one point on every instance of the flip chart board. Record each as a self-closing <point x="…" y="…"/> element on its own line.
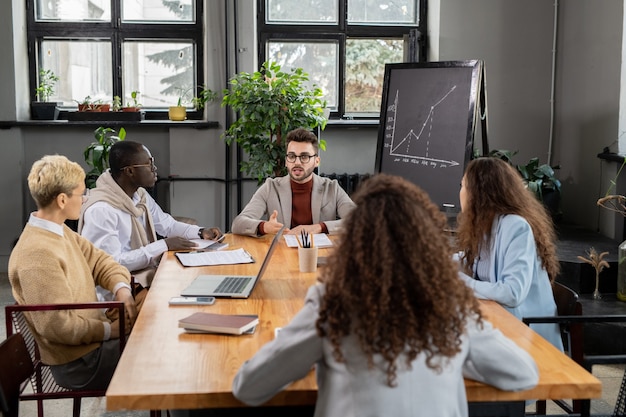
<point x="427" y="123"/>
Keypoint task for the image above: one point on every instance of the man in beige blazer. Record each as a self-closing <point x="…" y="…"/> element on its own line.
<point x="301" y="200"/>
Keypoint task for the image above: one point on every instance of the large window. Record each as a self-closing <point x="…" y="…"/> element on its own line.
<point x="343" y="45"/>
<point x="106" y="48"/>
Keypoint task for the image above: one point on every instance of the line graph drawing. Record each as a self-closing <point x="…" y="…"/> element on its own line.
<point x="416" y="143"/>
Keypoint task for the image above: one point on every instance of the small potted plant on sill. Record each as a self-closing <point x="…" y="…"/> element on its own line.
<point x="117" y="104"/>
<point x="179" y="112"/>
<point x="42" y="108"/>
<point x="90" y="105"/>
<point x="134" y="105"/>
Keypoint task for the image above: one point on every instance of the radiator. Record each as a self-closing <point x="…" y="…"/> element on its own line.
<point x="349" y="182"/>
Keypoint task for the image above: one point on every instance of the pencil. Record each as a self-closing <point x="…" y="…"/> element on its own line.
<point x="311" y="239"/>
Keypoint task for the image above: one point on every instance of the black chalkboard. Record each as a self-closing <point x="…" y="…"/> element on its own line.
<point x="427" y="124"/>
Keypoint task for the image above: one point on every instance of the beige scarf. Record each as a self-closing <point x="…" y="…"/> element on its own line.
<point x="110" y="192"/>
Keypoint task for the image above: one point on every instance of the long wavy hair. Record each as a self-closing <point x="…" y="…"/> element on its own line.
<point x="493" y="188"/>
<point x="391" y="280"/>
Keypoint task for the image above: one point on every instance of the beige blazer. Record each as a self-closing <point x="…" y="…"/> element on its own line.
<point x="329" y="204"/>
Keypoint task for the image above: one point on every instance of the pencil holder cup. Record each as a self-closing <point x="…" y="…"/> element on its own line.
<point x="307" y="258"/>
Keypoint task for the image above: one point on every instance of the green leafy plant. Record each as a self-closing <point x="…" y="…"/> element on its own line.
<point x="538" y="177"/>
<point x="204" y="96"/>
<point x="47" y="81"/>
<point x="89" y="104"/>
<point x="269" y="103"/>
<point x="117" y="103"/>
<point x="97" y="153"/>
<point x="134" y="95"/>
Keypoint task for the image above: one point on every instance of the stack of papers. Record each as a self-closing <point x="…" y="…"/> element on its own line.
<point x="320" y="240"/>
<point x="222" y="257"/>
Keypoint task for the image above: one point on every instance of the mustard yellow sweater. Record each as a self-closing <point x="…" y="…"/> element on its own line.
<point x="46" y="268"/>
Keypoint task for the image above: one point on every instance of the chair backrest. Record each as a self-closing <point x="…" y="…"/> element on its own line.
<point x="620" y="403"/>
<point x="15" y="368"/>
<point x="566" y="300"/>
<point x="41" y="380"/>
<point x="567" y="304"/>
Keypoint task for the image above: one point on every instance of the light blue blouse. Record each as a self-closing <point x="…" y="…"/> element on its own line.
<point x="510" y="272"/>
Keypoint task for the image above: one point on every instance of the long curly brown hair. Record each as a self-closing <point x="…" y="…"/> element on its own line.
<point x="493" y="187"/>
<point x="391" y="280"/>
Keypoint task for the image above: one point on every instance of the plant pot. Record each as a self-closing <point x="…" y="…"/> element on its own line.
<point x="43" y="110"/>
<point x="177" y="113"/>
<point x="552" y="202"/>
<point x="131" y="109"/>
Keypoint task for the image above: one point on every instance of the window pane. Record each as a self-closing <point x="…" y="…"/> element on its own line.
<point x="298" y="11"/>
<point x="160" y="71"/>
<point x="158" y="11"/>
<point x="73" y="10"/>
<point x="365" y="70"/>
<point x="389" y="12"/>
<point x="84" y="69"/>
<point x="318" y="59"/>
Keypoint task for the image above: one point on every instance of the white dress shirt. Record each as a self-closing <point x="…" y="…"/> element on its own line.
<point x="109" y="229"/>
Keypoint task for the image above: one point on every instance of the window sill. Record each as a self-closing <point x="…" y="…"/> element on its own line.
<point x="196" y="124"/>
<point x="352" y="122"/>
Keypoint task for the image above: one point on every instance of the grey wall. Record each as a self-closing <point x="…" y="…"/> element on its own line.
<point x="514" y="39"/>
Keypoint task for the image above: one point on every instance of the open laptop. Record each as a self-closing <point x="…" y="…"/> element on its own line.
<point x="230" y="286"/>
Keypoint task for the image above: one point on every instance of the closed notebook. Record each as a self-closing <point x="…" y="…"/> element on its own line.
<point x="219" y="323"/>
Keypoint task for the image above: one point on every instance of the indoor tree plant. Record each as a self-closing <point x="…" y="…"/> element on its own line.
<point x="42" y="108"/>
<point x="97" y="153"/>
<point x="269" y="103"/>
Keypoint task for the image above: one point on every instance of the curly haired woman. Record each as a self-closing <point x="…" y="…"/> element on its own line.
<point x="507" y="241"/>
<point x="390" y="329"/>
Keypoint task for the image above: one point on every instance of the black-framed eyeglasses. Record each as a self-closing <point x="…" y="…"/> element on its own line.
<point x="304" y="158"/>
<point x="151" y="165"/>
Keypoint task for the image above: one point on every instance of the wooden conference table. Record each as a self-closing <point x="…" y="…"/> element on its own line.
<point x="162" y="367"/>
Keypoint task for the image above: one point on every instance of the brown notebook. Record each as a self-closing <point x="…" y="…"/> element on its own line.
<point x="218" y="323"/>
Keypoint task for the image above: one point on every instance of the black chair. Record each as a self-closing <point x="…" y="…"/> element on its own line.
<point x="15" y="369"/>
<point x="572" y="322"/>
<point x="567" y="304"/>
<point x="43" y="385"/>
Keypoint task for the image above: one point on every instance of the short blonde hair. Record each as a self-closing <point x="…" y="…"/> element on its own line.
<point x="51" y="176"/>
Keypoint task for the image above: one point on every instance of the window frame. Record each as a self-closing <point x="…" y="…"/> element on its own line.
<point x="117" y="32"/>
<point x="414" y="37"/>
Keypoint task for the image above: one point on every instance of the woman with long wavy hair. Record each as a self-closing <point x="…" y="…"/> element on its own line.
<point x="390" y="329"/>
<point x="507" y="243"/>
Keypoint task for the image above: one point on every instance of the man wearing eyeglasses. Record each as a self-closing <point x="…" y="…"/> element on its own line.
<point x="301" y="200"/>
<point x="121" y="218"/>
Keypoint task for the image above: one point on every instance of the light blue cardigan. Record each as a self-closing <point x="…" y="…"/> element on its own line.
<point x="510" y="272"/>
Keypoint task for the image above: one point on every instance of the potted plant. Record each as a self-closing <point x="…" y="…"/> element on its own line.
<point x="97" y="153"/>
<point x="179" y="112"/>
<point x="42" y="108"/>
<point x="269" y="103"/>
<point x="117" y="103"/>
<point x="134" y="105"/>
<point x="539" y="178"/>
<point x="90" y="105"/>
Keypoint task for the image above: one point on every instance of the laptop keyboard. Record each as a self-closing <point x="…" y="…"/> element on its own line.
<point x="233" y="285"/>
